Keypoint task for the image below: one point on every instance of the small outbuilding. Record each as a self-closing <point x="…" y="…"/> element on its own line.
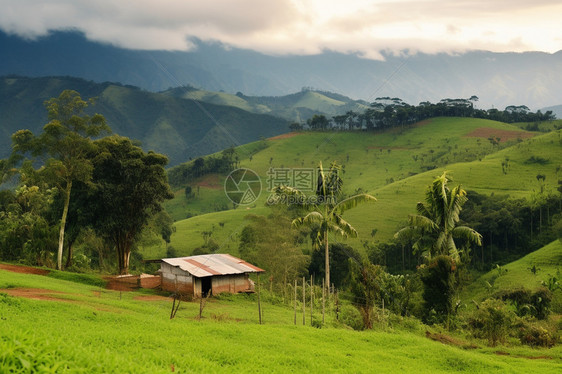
<point x="202" y="275"/>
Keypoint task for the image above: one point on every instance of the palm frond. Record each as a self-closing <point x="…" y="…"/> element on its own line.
<point x="352" y="202"/>
<point x="310" y="218"/>
<point x="343" y="227"/>
<point x="467" y="233"/>
<point x="422" y="222"/>
<point x="452" y="250"/>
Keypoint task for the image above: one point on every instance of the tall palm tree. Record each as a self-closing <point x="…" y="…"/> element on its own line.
<point x="436" y="225"/>
<point x="326" y="211"/>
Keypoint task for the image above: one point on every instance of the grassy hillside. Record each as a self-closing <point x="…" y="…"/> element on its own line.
<point x="71" y="327"/>
<point x="546" y="262"/>
<point x="177" y="127"/>
<point x="393" y="167"/>
<point x="294" y="107"/>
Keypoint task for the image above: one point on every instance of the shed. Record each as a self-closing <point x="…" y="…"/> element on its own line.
<point x="198" y="276"/>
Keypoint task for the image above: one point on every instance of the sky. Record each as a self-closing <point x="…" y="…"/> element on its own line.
<point x="363" y="27"/>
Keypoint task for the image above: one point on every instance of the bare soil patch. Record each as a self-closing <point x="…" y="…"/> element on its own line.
<point x="449" y="340"/>
<point x="151" y="298"/>
<point x="211" y="181"/>
<point x="504" y="135"/>
<point x="23" y="269"/>
<point x="284" y="136"/>
<point x="34" y="293"/>
<point x="503" y="353"/>
<point x="423" y="123"/>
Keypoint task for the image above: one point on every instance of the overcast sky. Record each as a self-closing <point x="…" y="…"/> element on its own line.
<point x="299" y="26"/>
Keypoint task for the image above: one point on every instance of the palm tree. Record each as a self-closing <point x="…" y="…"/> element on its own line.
<point x="326" y="211"/>
<point x="435" y="226"/>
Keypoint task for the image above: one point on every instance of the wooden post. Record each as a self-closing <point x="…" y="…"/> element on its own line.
<point x="337" y="306"/>
<point x="323" y="301"/>
<point x="174" y="306"/>
<point x="259" y="301"/>
<point x="295" y="301"/>
<point x="303" y="302"/>
<point x="311" y="299"/>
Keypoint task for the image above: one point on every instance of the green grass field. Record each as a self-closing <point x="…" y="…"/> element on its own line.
<point x="86" y="329"/>
<point x="392" y="166"/>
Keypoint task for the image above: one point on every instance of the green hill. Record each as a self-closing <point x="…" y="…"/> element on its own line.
<point x="177" y="127"/>
<point x="53" y="325"/>
<point x="527" y="272"/>
<point x="294" y="107"/>
<point x="394" y="166"/>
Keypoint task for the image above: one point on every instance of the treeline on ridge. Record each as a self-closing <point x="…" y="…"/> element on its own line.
<point x="386" y="112"/>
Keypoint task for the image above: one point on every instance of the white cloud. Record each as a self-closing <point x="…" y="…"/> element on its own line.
<point x="299" y="26"/>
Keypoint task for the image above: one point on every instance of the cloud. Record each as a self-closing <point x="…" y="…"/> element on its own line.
<point x="298" y="26"/>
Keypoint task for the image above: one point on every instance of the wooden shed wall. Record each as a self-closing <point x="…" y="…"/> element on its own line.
<point x="176" y="280"/>
<point x="233" y="283"/>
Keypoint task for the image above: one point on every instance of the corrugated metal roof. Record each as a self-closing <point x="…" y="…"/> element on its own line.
<point x="213" y="264"/>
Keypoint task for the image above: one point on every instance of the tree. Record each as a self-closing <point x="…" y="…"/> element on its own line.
<point x="437" y="223"/>
<point x="438" y="290"/>
<point x="66" y="142"/>
<point x="130" y="188"/>
<point x="270" y="243"/>
<point x="318" y="122"/>
<point x="366" y="280"/>
<point x="326" y="211"/>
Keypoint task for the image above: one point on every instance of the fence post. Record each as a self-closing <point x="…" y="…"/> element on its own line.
<point x="295" y="301"/>
<point x="259" y="301"/>
<point x="303" y="302"/>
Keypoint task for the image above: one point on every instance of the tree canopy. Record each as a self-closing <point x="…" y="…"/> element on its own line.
<point x="64" y="145"/>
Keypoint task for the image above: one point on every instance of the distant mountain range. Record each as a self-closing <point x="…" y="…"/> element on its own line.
<point x="178" y="127"/>
<point x="557" y="110"/>
<point x="498" y="79"/>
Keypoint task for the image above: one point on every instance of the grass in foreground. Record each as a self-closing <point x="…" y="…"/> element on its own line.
<point x="90" y="331"/>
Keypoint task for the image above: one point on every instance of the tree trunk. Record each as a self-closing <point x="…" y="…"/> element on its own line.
<point x="69" y="256"/>
<point x="327" y="259"/>
<point x="63" y="223"/>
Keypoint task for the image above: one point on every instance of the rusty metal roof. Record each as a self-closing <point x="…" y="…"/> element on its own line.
<point x="213" y="264"/>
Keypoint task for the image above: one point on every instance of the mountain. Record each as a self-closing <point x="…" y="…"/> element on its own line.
<point x="556" y="109"/>
<point x="180" y="128"/>
<point x="498" y="79"/>
<point x="294" y="107"/>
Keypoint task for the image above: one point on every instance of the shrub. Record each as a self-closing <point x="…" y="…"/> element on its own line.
<point x="491" y="321"/>
<point x="536" y="335"/>
<point x="438" y="288"/>
<point x="351" y="317"/>
<point x="526" y="302"/>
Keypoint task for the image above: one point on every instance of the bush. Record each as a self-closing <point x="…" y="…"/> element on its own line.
<point x="438" y="288"/>
<point x="491" y="321"/>
<point x="536" y="335"/>
<point x="351" y="317"/>
<point x="526" y="302"/>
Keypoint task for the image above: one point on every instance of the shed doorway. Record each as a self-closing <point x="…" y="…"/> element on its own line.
<point x="206" y="286"/>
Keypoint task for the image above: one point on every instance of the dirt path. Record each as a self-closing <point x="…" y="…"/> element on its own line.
<point x="284" y="136"/>
<point x="35" y="294"/>
<point x="151" y="298"/>
<point x="23" y="269"/>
